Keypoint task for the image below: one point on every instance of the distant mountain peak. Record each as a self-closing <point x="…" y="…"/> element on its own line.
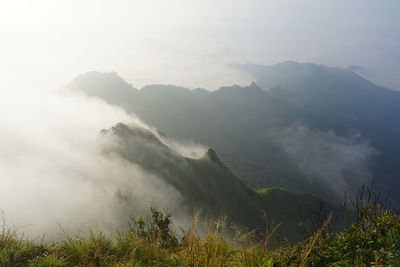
<point x="101" y="81"/>
<point x="104" y="76"/>
<point x="294" y="75"/>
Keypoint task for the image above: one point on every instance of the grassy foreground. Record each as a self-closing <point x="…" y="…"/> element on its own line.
<point x="373" y="239"/>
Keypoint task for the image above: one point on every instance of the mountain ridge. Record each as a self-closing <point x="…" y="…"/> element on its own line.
<point x="205" y="183"/>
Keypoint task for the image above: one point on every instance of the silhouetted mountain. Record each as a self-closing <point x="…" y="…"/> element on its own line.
<point x="307" y="127"/>
<point x="108" y="86"/>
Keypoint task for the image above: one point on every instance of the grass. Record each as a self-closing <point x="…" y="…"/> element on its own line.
<point x="372" y="239"/>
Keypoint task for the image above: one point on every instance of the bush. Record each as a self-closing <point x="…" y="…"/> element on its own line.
<point x="373" y="239"/>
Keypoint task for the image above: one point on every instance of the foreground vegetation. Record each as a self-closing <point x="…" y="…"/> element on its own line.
<point x="372" y="239"/>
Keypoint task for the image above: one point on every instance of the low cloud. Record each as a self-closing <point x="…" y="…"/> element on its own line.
<point x="339" y="163"/>
<point x="52" y="172"/>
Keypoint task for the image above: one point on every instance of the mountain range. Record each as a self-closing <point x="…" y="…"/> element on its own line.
<point x="300" y="126"/>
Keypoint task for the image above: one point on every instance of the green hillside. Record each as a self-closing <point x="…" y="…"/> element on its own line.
<point x="292" y="210"/>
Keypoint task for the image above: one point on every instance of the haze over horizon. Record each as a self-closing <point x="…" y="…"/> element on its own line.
<point x="188" y="43"/>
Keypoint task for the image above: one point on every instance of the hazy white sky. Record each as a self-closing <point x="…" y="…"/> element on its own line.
<point x="45" y="43"/>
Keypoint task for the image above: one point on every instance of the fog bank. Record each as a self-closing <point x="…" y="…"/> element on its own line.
<point x="52" y="174"/>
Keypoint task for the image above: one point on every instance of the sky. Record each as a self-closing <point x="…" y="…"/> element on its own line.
<point x="46" y="43"/>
